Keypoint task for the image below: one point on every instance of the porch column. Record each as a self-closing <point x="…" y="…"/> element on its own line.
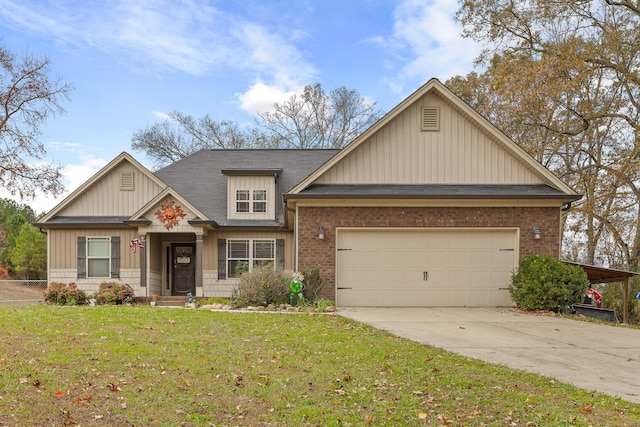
<point x="199" y="264"/>
<point x="143" y="262"/>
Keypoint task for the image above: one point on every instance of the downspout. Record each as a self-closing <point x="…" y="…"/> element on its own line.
<point x="295" y="231"/>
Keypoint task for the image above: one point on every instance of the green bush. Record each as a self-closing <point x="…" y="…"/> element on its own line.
<point x="62" y="294"/>
<point x="260" y="287"/>
<point x="111" y="293"/>
<point x="313" y="284"/>
<point x="545" y="283"/>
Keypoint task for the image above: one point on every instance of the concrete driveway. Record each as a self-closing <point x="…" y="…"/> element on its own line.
<point x="590" y="356"/>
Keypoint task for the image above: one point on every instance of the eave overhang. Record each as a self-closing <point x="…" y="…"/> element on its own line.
<point x="431" y="192"/>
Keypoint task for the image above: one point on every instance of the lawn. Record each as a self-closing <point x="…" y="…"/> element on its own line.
<point x="145" y="366"/>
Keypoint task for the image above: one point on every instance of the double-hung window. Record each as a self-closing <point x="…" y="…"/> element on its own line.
<point x="251" y="201"/>
<point x="245" y="254"/>
<point x="98" y="256"/>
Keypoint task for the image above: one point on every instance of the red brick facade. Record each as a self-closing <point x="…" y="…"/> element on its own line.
<point x="313" y="252"/>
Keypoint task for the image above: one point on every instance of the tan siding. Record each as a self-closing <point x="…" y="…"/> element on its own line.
<point x="402" y="154"/>
<point x="251" y="183"/>
<point x="105" y="198"/>
<point x="63" y="246"/>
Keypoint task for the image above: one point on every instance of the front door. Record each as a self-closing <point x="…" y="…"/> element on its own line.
<point x="183" y="268"/>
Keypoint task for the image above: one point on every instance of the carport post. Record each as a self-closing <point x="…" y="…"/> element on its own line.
<point x="625" y="301"/>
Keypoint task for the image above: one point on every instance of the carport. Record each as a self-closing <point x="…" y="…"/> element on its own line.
<point x="609" y="275"/>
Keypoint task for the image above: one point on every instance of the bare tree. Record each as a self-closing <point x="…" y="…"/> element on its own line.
<point x="29" y="95"/>
<point x="181" y="135"/>
<point x="314" y="119"/>
<point x="317" y="119"/>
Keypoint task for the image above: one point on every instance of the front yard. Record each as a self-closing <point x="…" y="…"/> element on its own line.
<point x="145" y="366"/>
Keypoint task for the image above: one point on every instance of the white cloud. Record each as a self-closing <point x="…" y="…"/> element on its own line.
<point x="279" y="61"/>
<point x="261" y="97"/>
<point x="161" y="115"/>
<point x="426" y="42"/>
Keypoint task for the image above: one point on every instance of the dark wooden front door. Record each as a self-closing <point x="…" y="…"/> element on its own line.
<point x="183" y="268"/>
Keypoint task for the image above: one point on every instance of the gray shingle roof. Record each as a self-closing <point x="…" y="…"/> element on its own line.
<point x="434" y="191"/>
<point x="199" y="178"/>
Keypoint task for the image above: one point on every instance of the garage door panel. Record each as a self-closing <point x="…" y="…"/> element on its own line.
<point x="388" y="267"/>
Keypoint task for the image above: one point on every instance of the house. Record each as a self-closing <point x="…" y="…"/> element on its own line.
<point x="431" y="206"/>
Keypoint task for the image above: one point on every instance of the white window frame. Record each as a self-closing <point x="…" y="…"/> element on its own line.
<point x="255" y="201"/>
<point x="251" y="255"/>
<point x="91" y="257"/>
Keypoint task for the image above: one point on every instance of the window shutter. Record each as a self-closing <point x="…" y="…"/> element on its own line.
<point x="82" y="257"/>
<point x="280" y="254"/>
<point x="222" y="259"/>
<point x="115" y="257"/>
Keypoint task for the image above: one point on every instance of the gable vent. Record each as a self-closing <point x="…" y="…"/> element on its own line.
<point x="126" y="181"/>
<point x="430" y="119"/>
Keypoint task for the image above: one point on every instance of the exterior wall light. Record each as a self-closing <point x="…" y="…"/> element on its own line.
<point x="321" y="233"/>
<point x="537" y="233"/>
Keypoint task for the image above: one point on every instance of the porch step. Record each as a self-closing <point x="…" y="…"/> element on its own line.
<point x="171" y="301"/>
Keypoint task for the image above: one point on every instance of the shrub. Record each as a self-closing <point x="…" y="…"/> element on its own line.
<point x="261" y="286"/>
<point x="113" y="293"/>
<point x="545" y="283"/>
<point x="313" y="284"/>
<point x="62" y="294"/>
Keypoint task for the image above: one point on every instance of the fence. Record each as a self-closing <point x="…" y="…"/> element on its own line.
<point x="22" y="292"/>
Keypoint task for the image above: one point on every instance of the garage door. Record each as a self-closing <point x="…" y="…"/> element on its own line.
<point x="424" y="268"/>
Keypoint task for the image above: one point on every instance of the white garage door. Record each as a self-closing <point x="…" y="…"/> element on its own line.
<point x="424" y="268"/>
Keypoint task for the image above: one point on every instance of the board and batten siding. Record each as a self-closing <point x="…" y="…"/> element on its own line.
<point x="251" y="182"/>
<point x="108" y="198"/>
<point x="400" y="153"/>
<point x="63" y="246"/>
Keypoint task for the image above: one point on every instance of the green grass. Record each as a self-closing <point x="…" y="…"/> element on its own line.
<point x="144" y="366"/>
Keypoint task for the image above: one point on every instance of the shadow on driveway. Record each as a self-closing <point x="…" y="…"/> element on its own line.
<point x="590" y="356"/>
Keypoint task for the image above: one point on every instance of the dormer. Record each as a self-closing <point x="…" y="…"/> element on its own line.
<point x="251" y="193"/>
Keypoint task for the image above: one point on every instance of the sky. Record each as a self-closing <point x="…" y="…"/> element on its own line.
<point x="131" y="62"/>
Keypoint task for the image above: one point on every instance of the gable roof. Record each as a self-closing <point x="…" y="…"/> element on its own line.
<point x="123" y="157"/>
<point x="555" y="187"/>
<point x="210" y="168"/>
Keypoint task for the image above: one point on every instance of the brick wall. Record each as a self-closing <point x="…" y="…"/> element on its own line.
<point x="313" y="252"/>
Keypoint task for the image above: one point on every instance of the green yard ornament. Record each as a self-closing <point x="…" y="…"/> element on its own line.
<point x="296" y="286"/>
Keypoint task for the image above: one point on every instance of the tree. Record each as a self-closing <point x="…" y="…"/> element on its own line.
<point x="12" y="217"/>
<point x="569" y="71"/>
<point x="315" y="119"/>
<point x="181" y="135"/>
<point x="29" y="95"/>
<point x="30" y="255"/>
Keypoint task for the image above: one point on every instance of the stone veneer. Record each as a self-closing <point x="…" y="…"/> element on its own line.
<point x="313" y="252"/>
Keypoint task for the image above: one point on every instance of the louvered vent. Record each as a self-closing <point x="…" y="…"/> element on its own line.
<point x="126" y="181"/>
<point x="430" y="119"/>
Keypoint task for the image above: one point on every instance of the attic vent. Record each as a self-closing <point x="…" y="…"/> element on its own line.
<point x="430" y="119"/>
<point x="126" y="181"/>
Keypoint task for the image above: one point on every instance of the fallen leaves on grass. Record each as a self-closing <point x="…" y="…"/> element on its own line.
<point x="587" y="409"/>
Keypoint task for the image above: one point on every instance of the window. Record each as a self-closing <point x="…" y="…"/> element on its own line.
<point x="249" y="253"/>
<point x="248" y="201"/>
<point x="98" y="256"/>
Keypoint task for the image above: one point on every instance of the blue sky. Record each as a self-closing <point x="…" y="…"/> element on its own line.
<point x="133" y="61"/>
